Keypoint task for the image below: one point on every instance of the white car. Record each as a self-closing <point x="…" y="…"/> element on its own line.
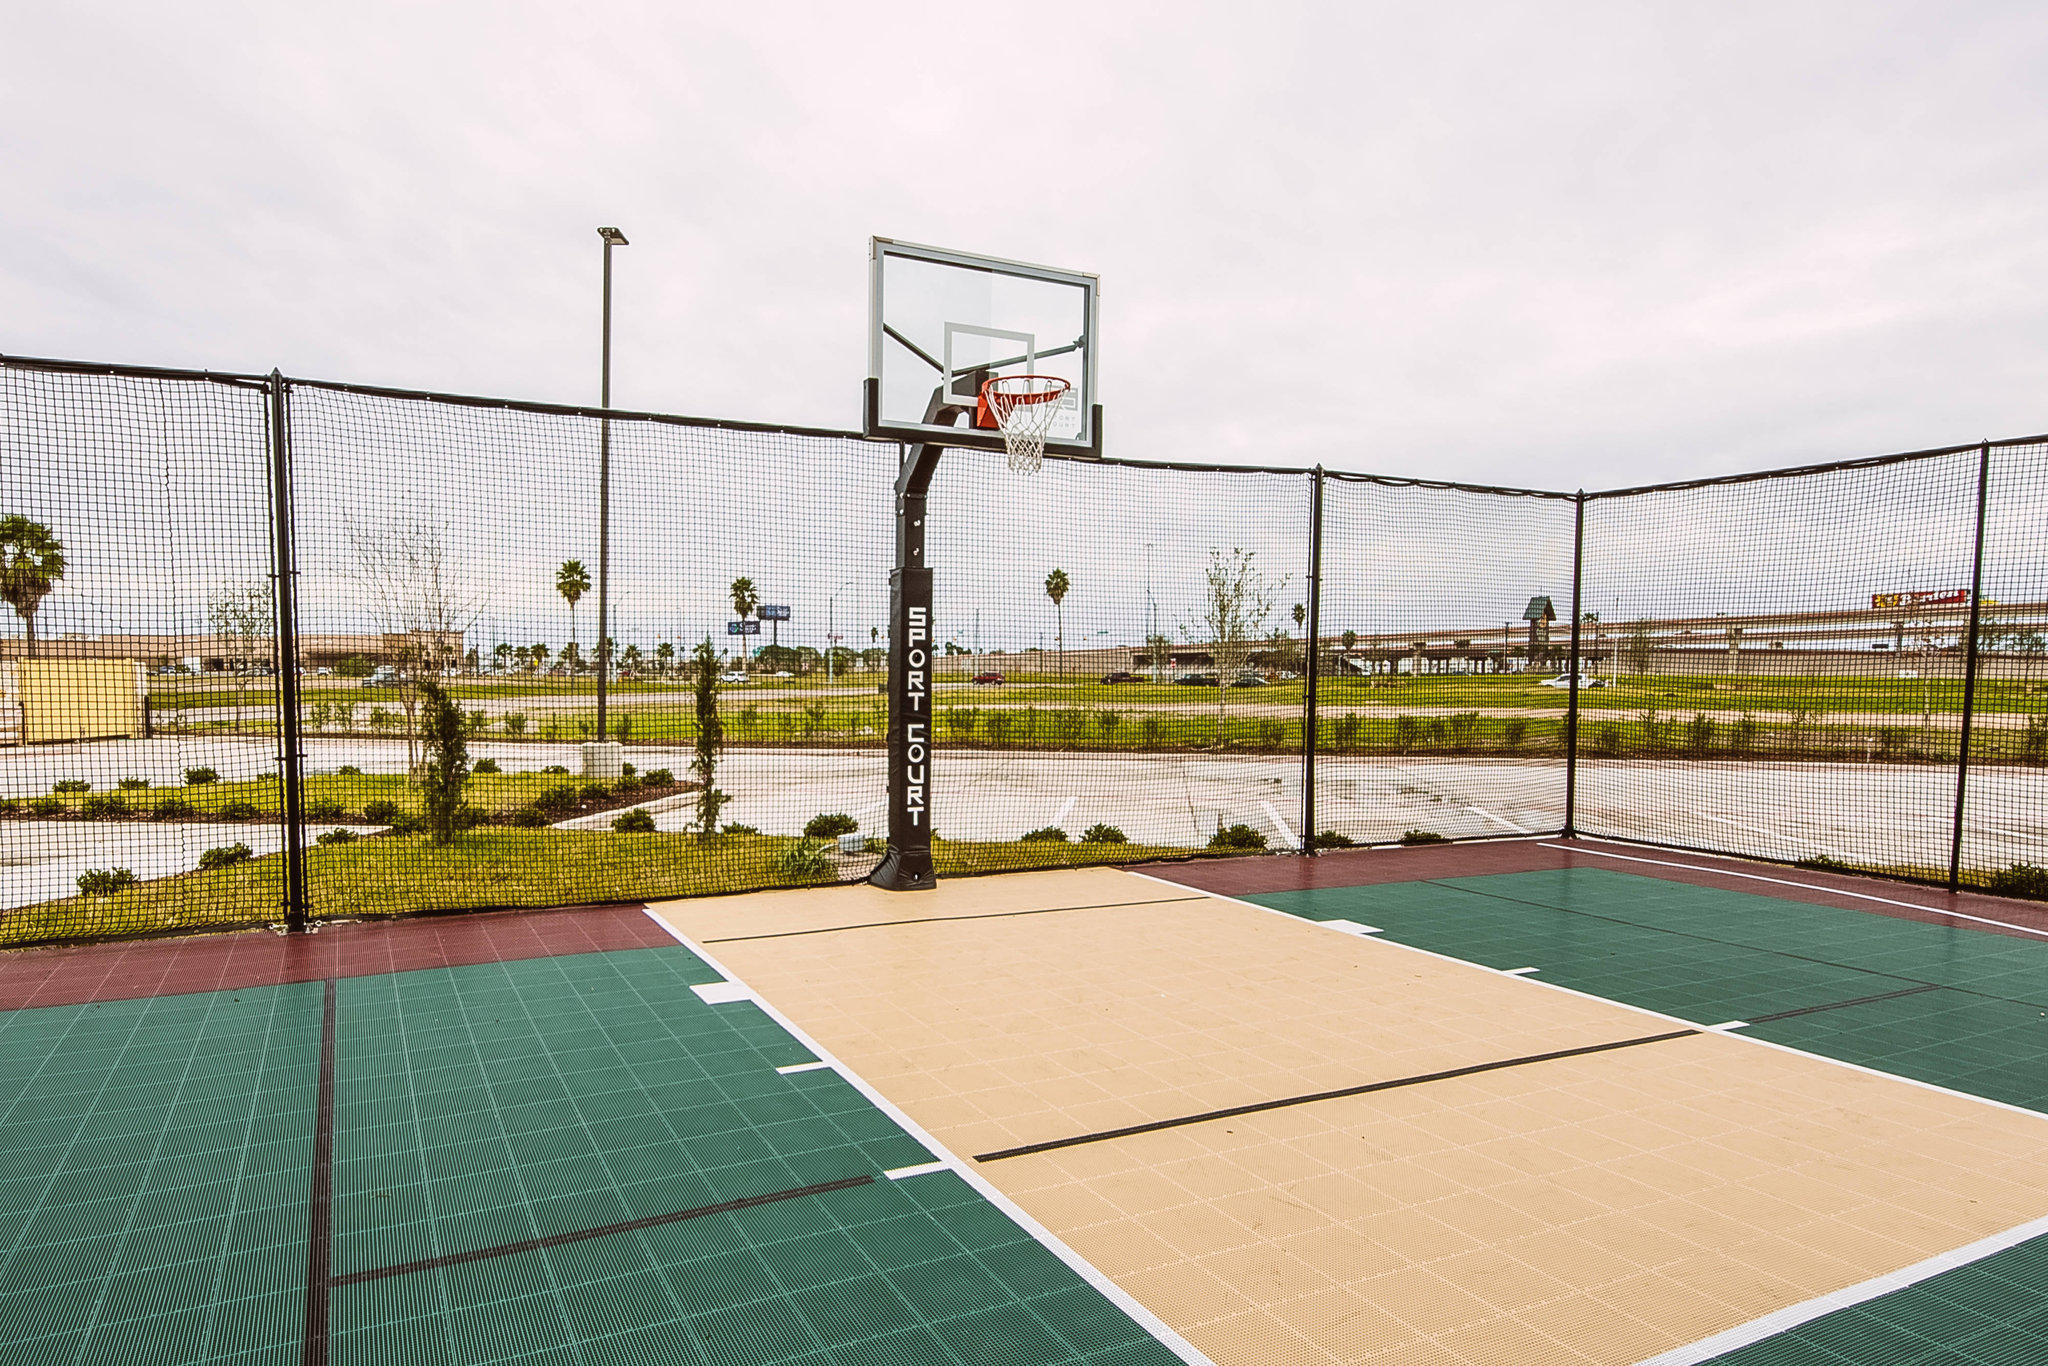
<point x="1565" y="681"/>
<point x="733" y="676"/>
<point x="782" y="673"/>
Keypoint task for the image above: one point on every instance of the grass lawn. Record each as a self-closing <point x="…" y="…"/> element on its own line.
<point x="491" y="867"/>
<point x="495" y="793"/>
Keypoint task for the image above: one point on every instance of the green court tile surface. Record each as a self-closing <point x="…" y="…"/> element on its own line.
<point x="1992" y="1312"/>
<point x="1977" y="1020"/>
<point x="154" y="1161"/>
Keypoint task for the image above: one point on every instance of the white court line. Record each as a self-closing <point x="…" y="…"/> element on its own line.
<point x="1770" y="1325"/>
<point x="1352" y="927"/>
<point x="1060" y="818"/>
<point x="1081" y="1267"/>
<point x="797" y="1067"/>
<point x="1285" y="833"/>
<point x="921" y="1169"/>
<point x="1522" y="972"/>
<point x="721" y="993"/>
<point x="1500" y="820"/>
<point x="1805" y="886"/>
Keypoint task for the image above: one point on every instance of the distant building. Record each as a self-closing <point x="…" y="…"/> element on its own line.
<point x="212" y="652"/>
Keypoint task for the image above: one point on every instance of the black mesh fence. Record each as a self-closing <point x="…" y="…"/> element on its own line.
<point x="2004" y="844"/>
<point x="1120" y="666"/>
<point x="139" y="785"/>
<point x="1445" y="631"/>
<point x="1776" y="666"/>
<point x="1780" y="663"/>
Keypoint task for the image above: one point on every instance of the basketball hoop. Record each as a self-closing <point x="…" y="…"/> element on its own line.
<point x="1022" y="408"/>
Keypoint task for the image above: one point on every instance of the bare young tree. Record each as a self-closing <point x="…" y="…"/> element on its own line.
<point x="1238" y="598"/>
<point x="245" y="618"/>
<point x="408" y="578"/>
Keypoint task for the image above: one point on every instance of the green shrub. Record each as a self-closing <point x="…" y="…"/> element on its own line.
<point x="237" y="811"/>
<point x="1237" y="837"/>
<point x="1103" y="834"/>
<point x="1422" y="837"/>
<point x="1045" y="834"/>
<point x="1892" y="741"/>
<point x="134" y="784"/>
<point x="831" y="826"/>
<point x="1653" y="731"/>
<point x="404" y="823"/>
<point x="105" y="809"/>
<point x="72" y="785"/>
<point x="1513" y="733"/>
<point x="104" y="881"/>
<point x="627" y="786"/>
<point x="336" y="837"/>
<point x="2034" y="742"/>
<point x="1821" y="863"/>
<point x="627" y="770"/>
<point x="556" y="799"/>
<point x="349" y="771"/>
<point x="1439" y="732"/>
<point x="555" y="768"/>
<point x="737" y="829"/>
<point x="1699" y="736"/>
<point x="529" y="818"/>
<point x="514" y="723"/>
<point x="658" y="777"/>
<point x="1334" y="839"/>
<point x="172" y="808"/>
<point x="1109" y="722"/>
<point x="634" y="822"/>
<point x="1607" y="738"/>
<point x="9" y="806"/>
<point x="1069" y="722"/>
<point x="1463" y="727"/>
<point x="48" y="806"/>
<point x="802" y="863"/>
<point x="1406" y="732"/>
<point x="326" y="810"/>
<point x="1742" y="734"/>
<point x="1272" y="734"/>
<point x="486" y="766"/>
<point x="2022" y="879"/>
<point x="594" y="792"/>
<point x="383" y="811"/>
<point x="624" y="728"/>
<point x="225" y="855"/>
<point x="1345" y="731"/>
<point x="355" y="666"/>
<point x="469" y="817"/>
<point x="200" y="777"/>
<point x="1149" y="730"/>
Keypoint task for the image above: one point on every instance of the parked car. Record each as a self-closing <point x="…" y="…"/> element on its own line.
<point x="1565" y="681"/>
<point x="1196" y="680"/>
<point x="782" y="673"/>
<point x="991" y="676"/>
<point x="385" y="677"/>
<point x="1248" y="680"/>
<point x="1121" y="676"/>
<point x="733" y="676"/>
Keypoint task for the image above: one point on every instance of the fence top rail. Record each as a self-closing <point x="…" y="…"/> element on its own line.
<point x="1397" y="481"/>
<point x="1823" y="467"/>
<point x="85" y="367"/>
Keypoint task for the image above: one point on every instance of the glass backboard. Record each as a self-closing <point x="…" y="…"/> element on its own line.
<point x="942" y="323"/>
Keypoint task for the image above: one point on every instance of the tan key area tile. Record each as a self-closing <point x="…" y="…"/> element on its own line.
<point x="1599" y="1208"/>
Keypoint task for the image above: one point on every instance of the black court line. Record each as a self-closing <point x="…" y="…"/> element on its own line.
<point x="941" y="919"/>
<point x="1842" y="1005"/>
<point x="605" y="1230"/>
<point x="1736" y="943"/>
<point x="320" y="1203"/>
<point x="1258" y="1107"/>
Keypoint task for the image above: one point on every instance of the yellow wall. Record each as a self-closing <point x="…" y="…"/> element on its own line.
<point x="80" y="699"/>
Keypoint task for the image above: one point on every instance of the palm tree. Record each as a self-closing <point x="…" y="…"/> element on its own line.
<point x="1056" y="586"/>
<point x="502" y="656"/>
<point x="572" y="581"/>
<point x="540" y="657"/>
<point x="664" y="655"/>
<point x="31" y="562"/>
<point x="744" y="601"/>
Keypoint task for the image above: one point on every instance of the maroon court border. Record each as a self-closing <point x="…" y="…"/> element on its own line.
<point x="1374" y="867"/>
<point x="75" y="974"/>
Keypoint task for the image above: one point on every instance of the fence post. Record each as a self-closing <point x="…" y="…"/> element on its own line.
<point x="1571" y="706"/>
<point x="285" y="606"/>
<point x="1310" y="670"/>
<point x="1955" y="846"/>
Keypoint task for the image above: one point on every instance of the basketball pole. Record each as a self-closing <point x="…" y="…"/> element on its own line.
<point x="907" y="866"/>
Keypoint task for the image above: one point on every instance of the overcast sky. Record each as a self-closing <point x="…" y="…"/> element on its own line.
<point x="1555" y="244"/>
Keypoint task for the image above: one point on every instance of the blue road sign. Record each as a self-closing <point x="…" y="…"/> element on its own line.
<point x="748" y="627"/>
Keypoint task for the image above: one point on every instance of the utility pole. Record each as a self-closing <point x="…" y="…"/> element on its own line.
<point x="612" y="238"/>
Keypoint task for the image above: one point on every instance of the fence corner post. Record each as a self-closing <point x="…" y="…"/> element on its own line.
<point x="1571" y="706"/>
<point x="285" y="605"/>
<point x="1955" y="844"/>
<point x="1310" y="670"/>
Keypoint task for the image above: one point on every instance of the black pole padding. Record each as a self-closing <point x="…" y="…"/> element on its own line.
<point x="907" y="865"/>
<point x="285" y="608"/>
<point x="1955" y="845"/>
<point x="1571" y="706"/>
<point x="1310" y="671"/>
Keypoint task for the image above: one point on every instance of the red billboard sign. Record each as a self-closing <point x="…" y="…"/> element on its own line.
<point x="1928" y="597"/>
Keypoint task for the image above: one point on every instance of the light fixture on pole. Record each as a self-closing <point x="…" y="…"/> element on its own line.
<point x="612" y="237"/>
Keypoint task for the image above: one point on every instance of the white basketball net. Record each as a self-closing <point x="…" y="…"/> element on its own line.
<point x="1023" y="407"/>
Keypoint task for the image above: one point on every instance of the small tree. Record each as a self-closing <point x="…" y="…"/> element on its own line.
<point x="572" y="581"/>
<point x="1056" y="586"/>
<point x="1639" y="648"/>
<point x="444" y="765"/>
<point x="1350" y="640"/>
<point x="710" y="739"/>
<point x="1239" y="598"/>
<point x="244" y="616"/>
<point x="664" y="657"/>
<point x="31" y="562"/>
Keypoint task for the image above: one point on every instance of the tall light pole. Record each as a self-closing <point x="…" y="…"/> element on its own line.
<point x="612" y="238"/>
<point x="831" y="625"/>
<point x="1152" y="619"/>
